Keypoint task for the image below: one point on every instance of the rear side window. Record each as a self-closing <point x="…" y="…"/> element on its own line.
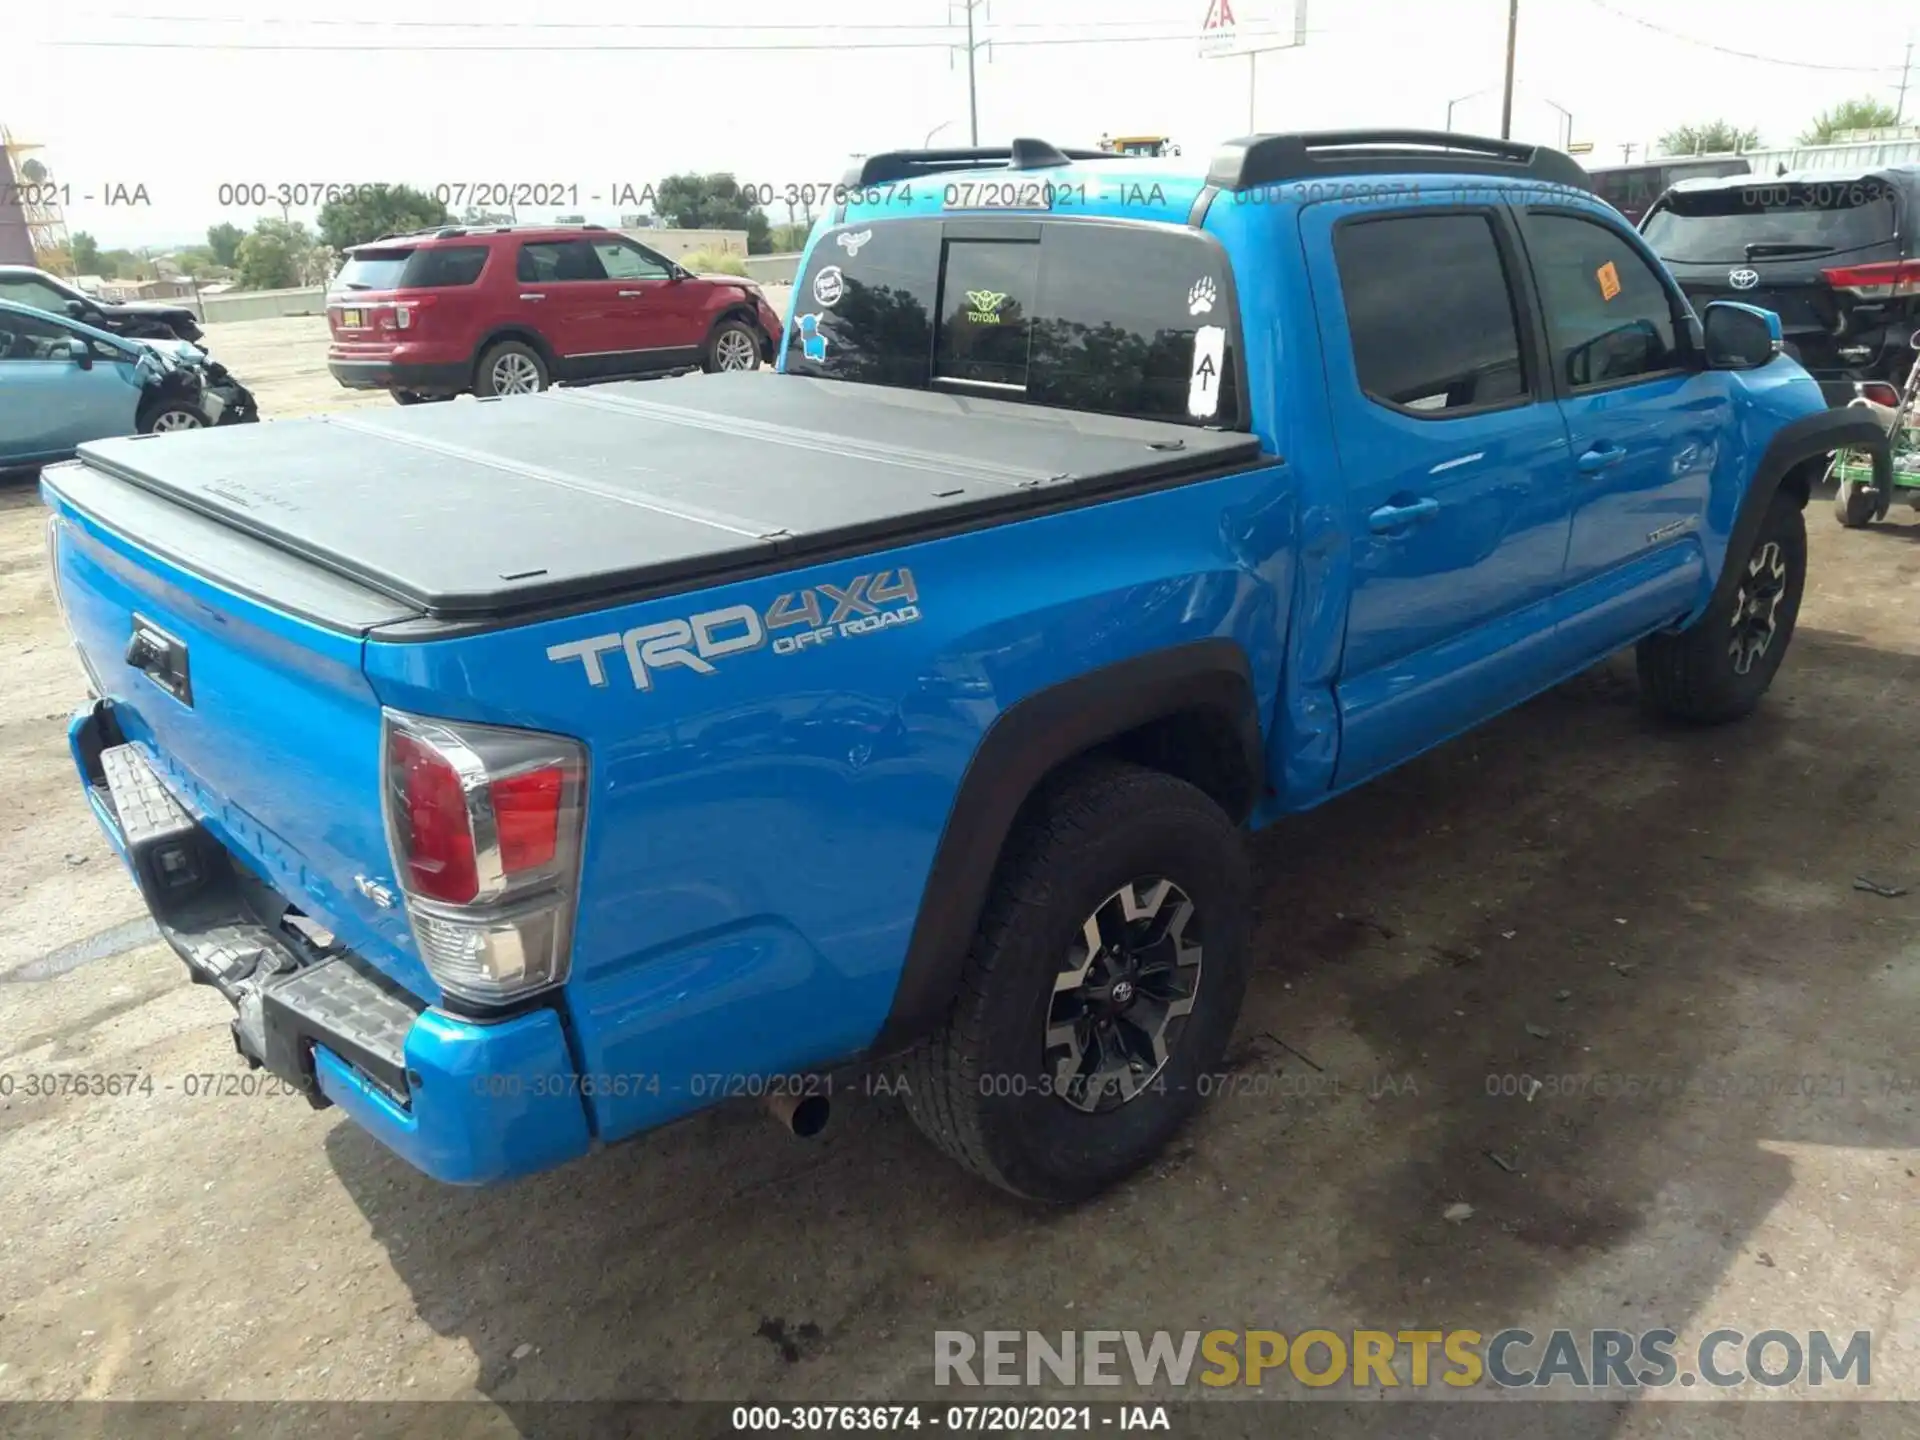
<point x="1431" y="312"/>
<point x="443" y="266"/>
<point x="1118" y="319"/>
<point x="553" y="261"/>
<point x="373" y="270"/>
<point x="1772" y="220"/>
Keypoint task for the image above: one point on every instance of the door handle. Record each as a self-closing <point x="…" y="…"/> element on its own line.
<point x="1601" y="457"/>
<point x="533" y="297"/>
<point x="633" y="294"/>
<point x="1389" y="518"/>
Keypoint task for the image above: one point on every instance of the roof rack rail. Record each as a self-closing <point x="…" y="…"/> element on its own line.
<point x="1255" y="160"/>
<point x="1023" y="154"/>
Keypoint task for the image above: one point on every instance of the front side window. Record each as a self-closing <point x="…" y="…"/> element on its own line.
<point x="623" y="260"/>
<point x="1609" y="315"/>
<point x="1430" y="310"/>
<point x="1115" y="318"/>
<point x="37" y="293"/>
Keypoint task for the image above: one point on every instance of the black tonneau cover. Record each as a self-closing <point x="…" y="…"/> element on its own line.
<point x="476" y="510"/>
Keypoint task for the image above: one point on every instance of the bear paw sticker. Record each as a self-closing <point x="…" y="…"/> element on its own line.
<point x="1200" y="297"/>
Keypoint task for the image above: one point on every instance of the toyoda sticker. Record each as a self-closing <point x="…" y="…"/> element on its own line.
<point x="1209" y="354"/>
<point x="797" y="621"/>
<point x="828" y="286"/>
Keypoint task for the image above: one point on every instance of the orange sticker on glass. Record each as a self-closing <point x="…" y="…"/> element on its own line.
<point x="1609" y="279"/>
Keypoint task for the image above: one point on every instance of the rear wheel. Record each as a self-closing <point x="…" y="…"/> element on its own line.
<point x="1101" y="987"/>
<point x="734" y="346"/>
<point x="1718" y="668"/>
<point x="510" y="368"/>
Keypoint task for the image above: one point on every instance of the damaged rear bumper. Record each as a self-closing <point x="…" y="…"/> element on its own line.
<point x="465" y="1102"/>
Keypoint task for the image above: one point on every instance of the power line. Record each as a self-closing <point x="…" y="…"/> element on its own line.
<point x="318" y="22"/>
<point x="656" y="47"/>
<point x="1658" y="29"/>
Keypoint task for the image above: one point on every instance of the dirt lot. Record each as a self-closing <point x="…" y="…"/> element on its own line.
<point x="1573" y="891"/>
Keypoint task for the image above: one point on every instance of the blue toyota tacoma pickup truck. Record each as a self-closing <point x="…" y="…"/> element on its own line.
<point x="531" y="772"/>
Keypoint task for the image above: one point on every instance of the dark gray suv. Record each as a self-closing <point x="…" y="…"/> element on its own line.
<point x="1834" y="253"/>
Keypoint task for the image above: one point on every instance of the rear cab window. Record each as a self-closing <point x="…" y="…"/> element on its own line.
<point x="426" y="267"/>
<point x="1772" y="220"/>
<point x="1117" y="318"/>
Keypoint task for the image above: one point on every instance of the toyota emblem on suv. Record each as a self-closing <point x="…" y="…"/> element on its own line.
<point x="1743" y="279"/>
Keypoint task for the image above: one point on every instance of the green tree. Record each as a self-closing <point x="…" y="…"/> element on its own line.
<point x="86" y="255"/>
<point x="379" y="210"/>
<point x="194" y="259"/>
<point x="713" y="202"/>
<point x="1714" y="137"/>
<point x="1865" y="113"/>
<point x="275" y="255"/>
<point x="224" y="240"/>
<point x="790" y="237"/>
<point x="125" y="265"/>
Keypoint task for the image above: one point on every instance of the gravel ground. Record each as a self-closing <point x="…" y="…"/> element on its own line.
<point x="1574" y="890"/>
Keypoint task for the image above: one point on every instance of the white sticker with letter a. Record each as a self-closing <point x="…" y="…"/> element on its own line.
<point x="1209" y="354"/>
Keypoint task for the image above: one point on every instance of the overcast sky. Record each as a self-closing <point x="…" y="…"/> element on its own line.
<point x="587" y="96"/>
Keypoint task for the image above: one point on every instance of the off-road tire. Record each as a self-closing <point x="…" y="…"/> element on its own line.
<point x="485" y="382"/>
<point x="720" y="347"/>
<point x="977" y="1086"/>
<point x="1691" y="674"/>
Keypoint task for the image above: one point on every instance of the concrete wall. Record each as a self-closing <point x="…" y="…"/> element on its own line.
<point x="675" y="243"/>
<point x="261" y="304"/>
<point x="774" y="269"/>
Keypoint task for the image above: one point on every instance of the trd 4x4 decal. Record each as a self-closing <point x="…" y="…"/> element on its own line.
<point x="798" y="620"/>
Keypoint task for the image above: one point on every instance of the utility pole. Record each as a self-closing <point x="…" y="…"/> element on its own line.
<point x="1506" y="101"/>
<point x="973" y="46"/>
<point x="1626" y="153"/>
<point x="1906" y="73"/>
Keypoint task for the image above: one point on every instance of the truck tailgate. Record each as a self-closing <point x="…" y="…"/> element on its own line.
<point x="483" y="510"/>
<point x="252" y="707"/>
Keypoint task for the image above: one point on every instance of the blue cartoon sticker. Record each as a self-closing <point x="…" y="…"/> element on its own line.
<point x="812" y="343"/>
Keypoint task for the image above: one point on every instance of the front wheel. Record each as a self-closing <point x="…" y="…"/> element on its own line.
<point x="171" y="416"/>
<point x="1100" y="990"/>
<point x="734" y="346"/>
<point x="1718" y="668"/>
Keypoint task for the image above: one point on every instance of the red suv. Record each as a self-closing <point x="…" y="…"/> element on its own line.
<point x="513" y="309"/>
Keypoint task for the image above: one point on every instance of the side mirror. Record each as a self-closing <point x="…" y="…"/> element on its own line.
<point x="77" y="309"/>
<point x="678" y="273"/>
<point x="1740" y="337"/>
<point x="80" y="352"/>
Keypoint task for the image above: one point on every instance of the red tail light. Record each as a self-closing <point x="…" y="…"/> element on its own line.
<point x="1880" y="392"/>
<point x="433" y="825"/>
<point x="1883" y="280"/>
<point x="526" y="811"/>
<point x="485" y="826"/>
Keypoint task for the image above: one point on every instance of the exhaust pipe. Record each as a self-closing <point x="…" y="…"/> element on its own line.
<point x="802" y="1115"/>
